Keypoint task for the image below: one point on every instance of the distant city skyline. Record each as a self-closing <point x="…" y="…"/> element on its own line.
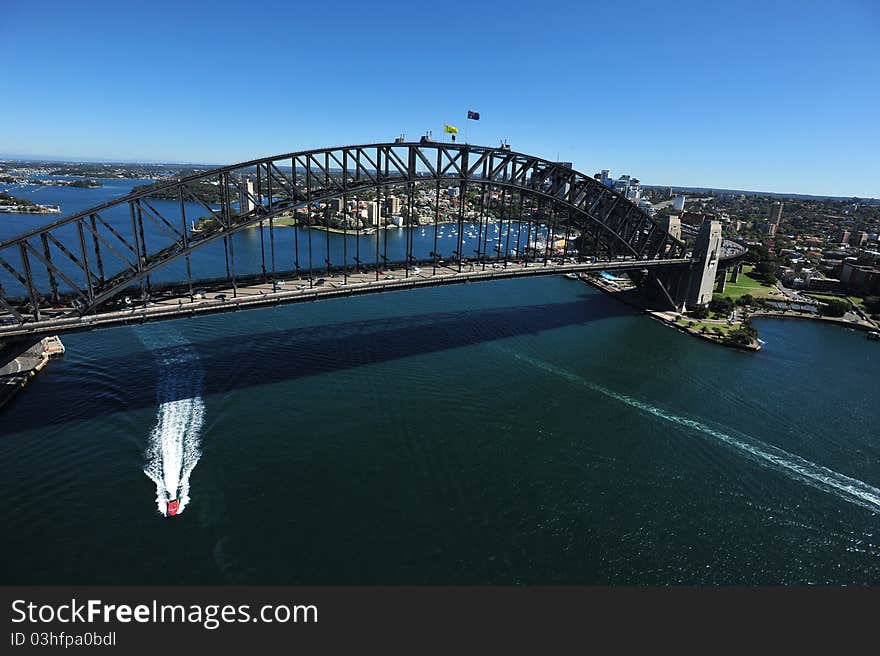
<point x="777" y="97"/>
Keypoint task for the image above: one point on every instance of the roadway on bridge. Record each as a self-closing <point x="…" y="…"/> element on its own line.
<point x="223" y="297"/>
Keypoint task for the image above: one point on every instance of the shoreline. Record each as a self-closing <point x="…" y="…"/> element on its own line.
<point x="352" y="231"/>
<point x="756" y="314"/>
<point x="660" y="316"/>
<point x="840" y="321"/>
<point x="20" y="209"/>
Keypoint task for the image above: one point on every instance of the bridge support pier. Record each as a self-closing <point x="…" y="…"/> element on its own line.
<point x="690" y="287"/>
<point x="707" y="251"/>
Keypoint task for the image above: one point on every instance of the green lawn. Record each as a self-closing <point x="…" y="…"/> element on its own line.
<point x="858" y="301"/>
<point x="698" y="325"/>
<point x="746" y="284"/>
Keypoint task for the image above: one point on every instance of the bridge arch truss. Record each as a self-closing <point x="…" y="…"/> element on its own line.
<point x="76" y="264"/>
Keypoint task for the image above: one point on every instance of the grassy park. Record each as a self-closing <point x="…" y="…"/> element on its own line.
<point x="749" y="283"/>
<point x="710" y="326"/>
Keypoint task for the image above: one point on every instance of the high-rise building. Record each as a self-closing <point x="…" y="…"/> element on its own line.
<point x="392" y="205"/>
<point x="245" y="196"/>
<point x="337" y="205"/>
<point x="678" y="203"/>
<point x="776" y="213"/>
<point x="374" y="213"/>
<point x="633" y="190"/>
<point x="861" y="239"/>
<point x="844" y="236"/>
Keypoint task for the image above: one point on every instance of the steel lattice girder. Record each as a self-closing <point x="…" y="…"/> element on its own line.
<point x="315" y="176"/>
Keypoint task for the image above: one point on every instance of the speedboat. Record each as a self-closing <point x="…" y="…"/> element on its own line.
<point x="173" y="507"/>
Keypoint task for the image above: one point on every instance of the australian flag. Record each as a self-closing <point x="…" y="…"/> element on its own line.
<point x="474" y="115"/>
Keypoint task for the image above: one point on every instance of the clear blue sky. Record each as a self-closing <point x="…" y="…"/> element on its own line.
<point x="778" y="96"/>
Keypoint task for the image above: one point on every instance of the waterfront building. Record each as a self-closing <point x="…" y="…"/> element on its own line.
<point x="857" y="277"/>
<point x="822" y="284"/>
<point x="374" y="213"/>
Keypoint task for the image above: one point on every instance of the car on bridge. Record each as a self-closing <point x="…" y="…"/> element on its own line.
<point x="220" y="297"/>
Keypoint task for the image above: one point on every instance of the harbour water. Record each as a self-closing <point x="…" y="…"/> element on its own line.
<point x="251" y="253"/>
<point x="528" y="431"/>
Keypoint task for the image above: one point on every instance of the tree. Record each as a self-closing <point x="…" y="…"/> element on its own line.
<point x="700" y="313"/>
<point x="722" y="305"/>
<point x="743" y="336"/>
<point x="756" y="253"/>
<point x="835" y="307"/>
<point x="872" y="304"/>
<point x="766" y="267"/>
<point x="745" y="299"/>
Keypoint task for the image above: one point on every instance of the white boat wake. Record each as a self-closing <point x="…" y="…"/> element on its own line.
<point x="817" y="476"/>
<point x="174" y="447"/>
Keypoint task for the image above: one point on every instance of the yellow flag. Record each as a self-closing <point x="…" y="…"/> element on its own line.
<point x="451" y="129"/>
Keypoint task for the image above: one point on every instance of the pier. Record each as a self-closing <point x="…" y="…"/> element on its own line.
<point x="21" y="364"/>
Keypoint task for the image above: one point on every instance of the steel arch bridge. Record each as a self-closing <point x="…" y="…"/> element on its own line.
<point x="74" y="268"/>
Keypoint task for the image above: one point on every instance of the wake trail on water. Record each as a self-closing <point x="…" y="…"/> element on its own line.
<point x="849" y="489"/>
<point x="174" y="446"/>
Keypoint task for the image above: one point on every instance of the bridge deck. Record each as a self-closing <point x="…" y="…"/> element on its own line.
<point x="298" y="290"/>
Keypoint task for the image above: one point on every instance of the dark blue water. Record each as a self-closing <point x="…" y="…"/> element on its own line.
<point x="528" y="431"/>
